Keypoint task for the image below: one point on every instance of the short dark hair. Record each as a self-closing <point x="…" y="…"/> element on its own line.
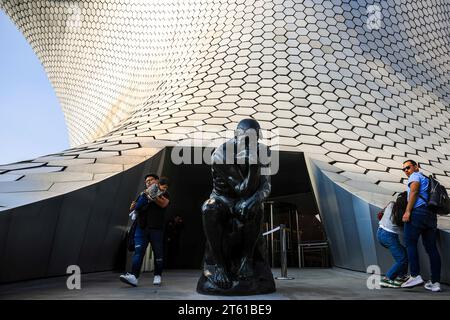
<point x="164" y="181"/>
<point x="412" y="162"/>
<point x="153" y="175"/>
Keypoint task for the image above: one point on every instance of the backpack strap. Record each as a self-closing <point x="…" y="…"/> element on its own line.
<point x="428" y="189"/>
<point x="424" y="175"/>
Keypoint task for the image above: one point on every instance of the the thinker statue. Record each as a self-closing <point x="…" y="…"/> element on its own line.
<point x="235" y="256"/>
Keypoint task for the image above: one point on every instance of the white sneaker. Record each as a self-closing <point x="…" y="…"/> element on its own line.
<point x="157" y="280"/>
<point x="435" y="287"/>
<point x="412" y="282"/>
<point x="129" y="278"/>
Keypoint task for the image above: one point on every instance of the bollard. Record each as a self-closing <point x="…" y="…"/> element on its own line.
<point x="283" y="252"/>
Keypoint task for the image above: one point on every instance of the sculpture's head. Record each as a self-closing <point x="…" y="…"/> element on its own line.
<point x="247" y="129"/>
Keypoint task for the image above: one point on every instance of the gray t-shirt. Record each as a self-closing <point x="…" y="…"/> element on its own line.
<point x="386" y="221"/>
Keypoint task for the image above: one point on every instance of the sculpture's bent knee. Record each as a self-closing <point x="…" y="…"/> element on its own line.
<point x="214" y="206"/>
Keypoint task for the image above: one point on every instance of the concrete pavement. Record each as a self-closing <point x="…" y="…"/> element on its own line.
<point x="317" y="284"/>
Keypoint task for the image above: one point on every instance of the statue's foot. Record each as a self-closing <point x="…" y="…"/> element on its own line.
<point x="220" y="278"/>
<point x="246" y="269"/>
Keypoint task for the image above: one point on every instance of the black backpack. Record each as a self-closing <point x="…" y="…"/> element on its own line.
<point x="438" y="200"/>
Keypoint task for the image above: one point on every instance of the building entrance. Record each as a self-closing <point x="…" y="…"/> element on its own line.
<point x="291" y="203"/>
<point x="305" y="237"/>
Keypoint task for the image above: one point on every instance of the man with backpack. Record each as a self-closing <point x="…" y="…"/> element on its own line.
<point x="420" y="221"/>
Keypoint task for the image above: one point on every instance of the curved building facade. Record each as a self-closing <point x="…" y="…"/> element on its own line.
<point x="356" y="86"/>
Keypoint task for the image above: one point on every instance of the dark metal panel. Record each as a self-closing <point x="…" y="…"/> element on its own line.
<point x="97" y="225"/>
<point x="5" y="221"/>
<point x="71" y="229"/>
<point x="443" y="246"/>
<point x="30" y="238"/>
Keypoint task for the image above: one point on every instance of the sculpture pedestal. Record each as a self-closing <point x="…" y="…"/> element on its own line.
<point x="261" y="283"/>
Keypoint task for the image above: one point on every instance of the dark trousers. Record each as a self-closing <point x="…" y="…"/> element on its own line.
<point x="423" y="223"/>
<point x="142" y="238"/>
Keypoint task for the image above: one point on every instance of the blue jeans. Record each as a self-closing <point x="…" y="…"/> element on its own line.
<point x="142" y="238"/>
<point x="391" y="241"/>
<point x="423" y="223"/>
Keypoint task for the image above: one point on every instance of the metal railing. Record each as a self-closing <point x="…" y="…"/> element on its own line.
<point x="283" y="251"/>
<point x="313" y="246"/>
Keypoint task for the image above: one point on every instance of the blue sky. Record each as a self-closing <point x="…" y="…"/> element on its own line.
<point x="31" y="121"/>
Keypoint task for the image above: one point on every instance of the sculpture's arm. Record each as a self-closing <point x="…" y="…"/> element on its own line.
<point x="225" y="178"/>
<point x="264" y="188"/>
<point x="244" y="208"/>
<point x="261" y="193"/>
<point x="221" y="169"/>
<point x="255" y="176"/>
<point x="250" y="182"/>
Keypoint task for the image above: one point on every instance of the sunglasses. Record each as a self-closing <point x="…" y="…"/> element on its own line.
<point x="406" y="168"/>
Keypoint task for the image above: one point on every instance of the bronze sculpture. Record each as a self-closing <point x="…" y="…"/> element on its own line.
<point x="235" y="258"/>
